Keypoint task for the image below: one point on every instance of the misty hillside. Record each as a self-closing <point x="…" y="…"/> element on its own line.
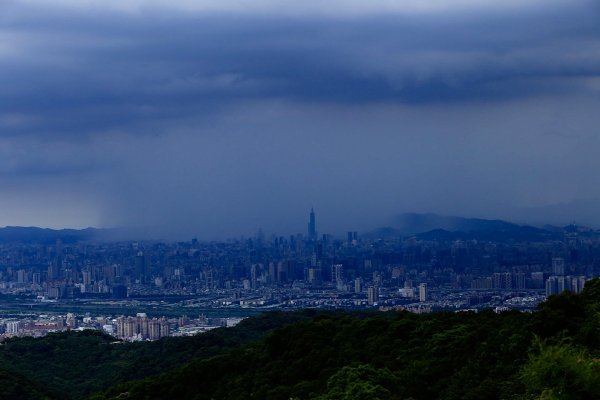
<point x="20" y="234"/>
<point x="436" y="227"/>
<point x="413" y="223"/>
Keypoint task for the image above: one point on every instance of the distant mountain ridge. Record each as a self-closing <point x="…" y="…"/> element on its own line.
<point x="418" y="223"/>
<point x="32" y="234"/>
<point x="437" y="227"/>
<point x="426" y="226"/>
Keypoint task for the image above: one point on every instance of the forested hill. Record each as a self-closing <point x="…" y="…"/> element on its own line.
<point x="72" y="365"/>
<point x="551" y="354"/>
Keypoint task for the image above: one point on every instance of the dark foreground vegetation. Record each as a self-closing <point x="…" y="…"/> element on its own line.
<point x="551" y="354"/>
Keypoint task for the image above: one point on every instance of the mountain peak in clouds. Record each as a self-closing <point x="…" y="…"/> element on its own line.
<point x="413" y="223"/>
<point x="436" y="227"/>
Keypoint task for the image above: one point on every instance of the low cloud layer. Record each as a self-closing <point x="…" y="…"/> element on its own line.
<point x="209" y="120"/>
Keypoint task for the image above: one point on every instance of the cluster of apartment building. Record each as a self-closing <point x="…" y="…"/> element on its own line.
<point x="558" y="284"/>
<point x="141" y="327"/>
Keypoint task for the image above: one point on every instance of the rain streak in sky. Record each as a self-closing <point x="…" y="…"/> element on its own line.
<point x="213" y="119"/>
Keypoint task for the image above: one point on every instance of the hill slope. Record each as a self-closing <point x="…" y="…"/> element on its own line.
<point x="75" y="364"/>
<point x="437" y="227"/>
<point x="401" y="356"/>
<point x="329" y="355"/>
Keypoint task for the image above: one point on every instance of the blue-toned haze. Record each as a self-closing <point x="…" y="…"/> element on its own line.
<point x="216" y="118"/>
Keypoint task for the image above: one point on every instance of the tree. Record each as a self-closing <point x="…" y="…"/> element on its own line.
<point x="561" y="372"/>
<point x="361" y="382"/>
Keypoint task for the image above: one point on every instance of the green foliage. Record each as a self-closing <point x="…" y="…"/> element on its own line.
<point x="75" y="364"/>
<point x="386" y="356"/>
<point x="561" y="314"/>
<point x="568" y="315"/>
<point x="361" y="382"/>
<point x="591" y="292"/>
<point x="15" y="386"/>
<point x="561" y="372"/>
<point x="332" y="355"/>
<point x="589" y="334"/>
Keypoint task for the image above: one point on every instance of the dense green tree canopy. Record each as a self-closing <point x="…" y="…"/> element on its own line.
<point x="550" y="354"/>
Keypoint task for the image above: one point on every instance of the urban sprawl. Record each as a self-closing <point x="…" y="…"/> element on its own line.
<point x="148" y="290"/>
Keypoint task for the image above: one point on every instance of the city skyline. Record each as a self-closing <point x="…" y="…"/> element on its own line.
<point x="401" y="225"/>
<point x="300" y="199"/>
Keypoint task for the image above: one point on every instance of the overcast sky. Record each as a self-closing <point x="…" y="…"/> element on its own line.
<point x="212" y="119"/>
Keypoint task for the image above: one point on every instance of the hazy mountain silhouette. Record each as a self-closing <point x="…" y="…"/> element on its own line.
<point x="31" y="234"/>
<point x="436" y="227"/>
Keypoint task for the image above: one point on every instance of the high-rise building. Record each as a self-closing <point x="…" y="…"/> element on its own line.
<point x="502" y="280"/>
<point x="209" y="278"/>
<point x="314" y="275"/>
<point x="312" y="227"/>
<point x="13" y="327"/>
<point x="423" y="292"/>
<point x="86" y="277"/>
<point x="558" y="284"/>
<point x="558" y="266"/>
<point x="519" y="280"/>
<point x="561" y="283"/>
<point x="164" y="327"/>
<point x="337" y="271"/>
<point x="58" y="262"/>
<point x="357" y="285"/>
<point x="121" y="327"/>
<point x="352" y="238"/>
<point x="272" y="273"/>
<point x="552" y="286"/>
<point x="22" y="276"/>
<point x="52" y="271"/>
<point x="130" y="328"/>
<point x="144" y="330"/>
<point x="577" y="284"/>
<point x="373" y="295"/>
<point x="282" y="272"/>
<point x="154" y="329"/>
<point x="71" y="321"/>
<point x="142" y="266"/>
<point x="253" y="274"/>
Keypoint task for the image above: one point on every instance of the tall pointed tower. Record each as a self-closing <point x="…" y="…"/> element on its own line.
<point x="312" y="227"/>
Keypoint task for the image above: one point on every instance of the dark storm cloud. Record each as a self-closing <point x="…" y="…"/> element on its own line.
<point x="219" y="121"/>
<point x="66" y="70"/>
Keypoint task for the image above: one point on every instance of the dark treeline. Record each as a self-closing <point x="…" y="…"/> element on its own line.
<point x="72" y="365"/>
<point x="550" y="354"/>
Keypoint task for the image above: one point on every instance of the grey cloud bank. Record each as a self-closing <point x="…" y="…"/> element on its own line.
<point x="213" y="122"/>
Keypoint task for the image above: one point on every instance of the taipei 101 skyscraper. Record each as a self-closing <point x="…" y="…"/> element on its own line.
<point x="312" y="227"/>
